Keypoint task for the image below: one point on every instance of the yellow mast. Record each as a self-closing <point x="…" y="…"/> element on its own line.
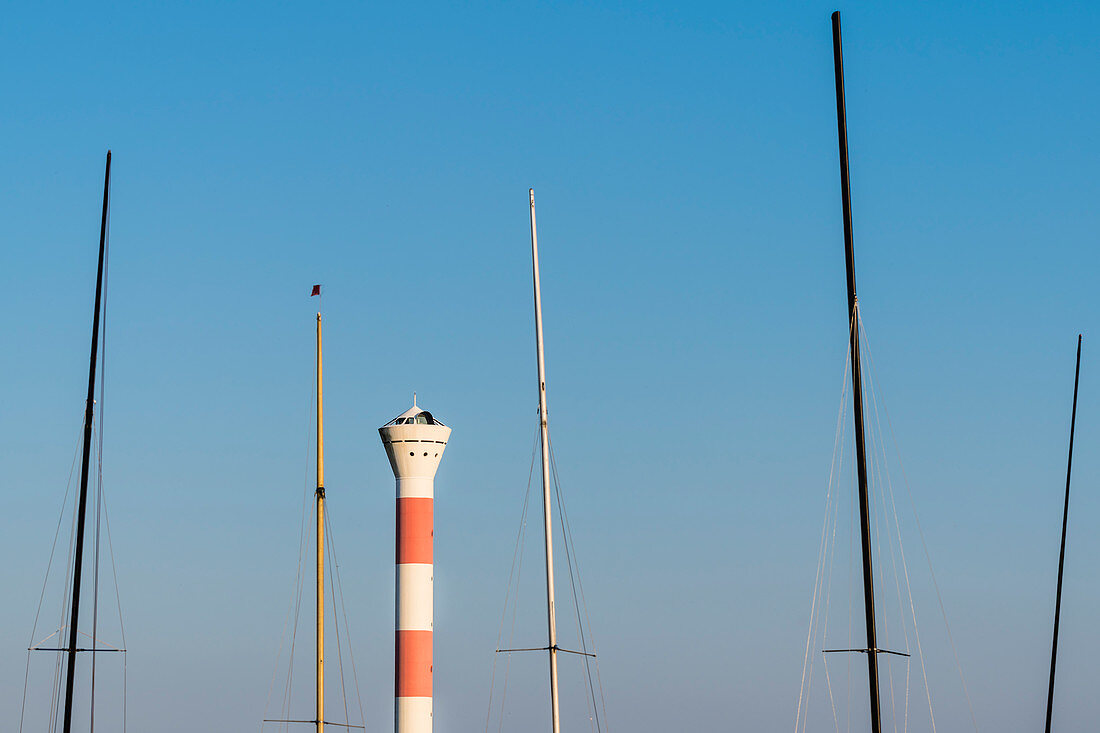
<point x="320" y="719"/>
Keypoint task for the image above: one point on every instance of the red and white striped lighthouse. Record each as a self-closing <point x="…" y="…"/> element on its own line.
<point x="414" y="442"/>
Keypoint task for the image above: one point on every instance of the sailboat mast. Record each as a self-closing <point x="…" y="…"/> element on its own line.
<point x="320" y="494"/>
<point x="89" y="411"/>
<point x="857" y="386"/>
<point x="1062" y="551"/>
<point x="547" y="518"/>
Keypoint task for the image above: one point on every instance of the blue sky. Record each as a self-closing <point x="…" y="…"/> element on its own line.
<point x="684" y="161"/>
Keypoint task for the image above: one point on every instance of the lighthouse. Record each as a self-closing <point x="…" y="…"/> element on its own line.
<point x="414" y="442"/>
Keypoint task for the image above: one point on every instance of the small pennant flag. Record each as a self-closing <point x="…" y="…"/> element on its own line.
<point x="316" y="291"/>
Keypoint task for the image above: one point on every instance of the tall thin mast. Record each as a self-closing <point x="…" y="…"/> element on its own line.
<point x="89" y="411"/>
<point x="1062" y="551"/>
<point x="545" y="433"/>
<point x="320" y="493"/>
<point x="857" y="386"/>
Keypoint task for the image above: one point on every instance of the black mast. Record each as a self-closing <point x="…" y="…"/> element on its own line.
<point x="1062" y="552"/>
<point x="857" y="386"/>
<point x="88" y="414"/>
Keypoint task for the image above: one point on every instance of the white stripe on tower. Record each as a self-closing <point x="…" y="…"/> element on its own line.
<point x="414" y="443"/>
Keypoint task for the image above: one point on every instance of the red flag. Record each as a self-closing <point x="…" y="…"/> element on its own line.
<point x="316" y="291"/>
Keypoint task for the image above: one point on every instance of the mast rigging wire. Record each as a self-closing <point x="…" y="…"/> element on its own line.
<point x="337" y="588"/>
<point x="807" y="659"/>
<point x="884" y="471"/>
<point x="912" y="606"/>
<point x="343" y="609"/>
<point x="55" y="711"/>
<point x="876" y="482"/>
<point x="513" y="574"/>
<point x="336" y="624"/>
<point x="924" y="546"/>
<point x="832" y="562"/>
<point x="99" y="463"/>
<point x="49" y="565"/>
<point x="571" y="560"/>
<point x="118" y="603"/>
<point x="897" y="582"/>
<point x="296" y="597"/>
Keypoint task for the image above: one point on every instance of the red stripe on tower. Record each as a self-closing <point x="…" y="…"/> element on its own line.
<point x="414" y="530"/>
<point x="413" y="653"/>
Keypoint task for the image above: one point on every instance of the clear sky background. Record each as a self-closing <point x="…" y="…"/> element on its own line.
<point x="685" y="163"/>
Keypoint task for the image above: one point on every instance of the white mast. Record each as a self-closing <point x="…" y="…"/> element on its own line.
<point x="545" y="433"/>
